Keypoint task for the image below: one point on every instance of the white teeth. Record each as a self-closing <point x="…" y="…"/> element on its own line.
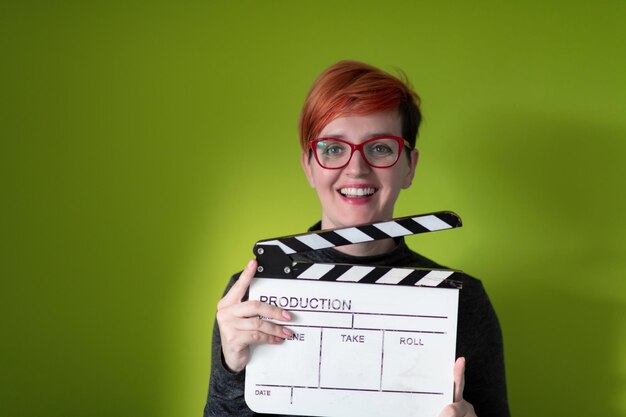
<point x="357" y="192"/>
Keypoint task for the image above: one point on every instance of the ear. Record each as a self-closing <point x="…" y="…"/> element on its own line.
<point x="305" y="161"/>
<point x="413" y="158"/>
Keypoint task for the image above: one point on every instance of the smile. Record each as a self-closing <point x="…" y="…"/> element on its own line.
<point x="352" y="192"/>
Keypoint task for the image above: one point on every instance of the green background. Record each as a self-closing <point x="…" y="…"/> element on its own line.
<point x="146" y="146"/>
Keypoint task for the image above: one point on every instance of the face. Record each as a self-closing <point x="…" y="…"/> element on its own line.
<point x="358" y="193"/>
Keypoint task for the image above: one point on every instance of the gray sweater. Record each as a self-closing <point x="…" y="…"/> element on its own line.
<point x="479" y="340"/>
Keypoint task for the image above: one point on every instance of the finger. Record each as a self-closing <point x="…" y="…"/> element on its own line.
<point x="259" y="329"/>
<point x="241" y="333"/>
<point x="458" y="409"/>
<point x="450" y="410"/>
<point x="245" y="317"/>
<point x="459" y="379"/>
<point x="239" y="288"/>
<point x="259" y="324"/>
<point x="255" y="308"/>
<point x="244" y="339"/>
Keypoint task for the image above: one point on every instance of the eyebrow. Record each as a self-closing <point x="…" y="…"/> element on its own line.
<point x="373" y="135"/>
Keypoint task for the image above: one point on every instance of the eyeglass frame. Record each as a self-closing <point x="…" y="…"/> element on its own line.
<point x="359" y="147"/>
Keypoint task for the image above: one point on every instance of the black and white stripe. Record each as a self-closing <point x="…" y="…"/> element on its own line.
<point x="275" y="260"/>
<point x="377" y="275"/>
<point x="402" y="226"/>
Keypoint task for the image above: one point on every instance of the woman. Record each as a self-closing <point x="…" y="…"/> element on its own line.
<point x="358" y="129"/>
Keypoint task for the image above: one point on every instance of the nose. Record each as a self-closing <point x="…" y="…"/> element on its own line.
<point x="357" y="165"/>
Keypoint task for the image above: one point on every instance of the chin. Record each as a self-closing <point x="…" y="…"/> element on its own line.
<point x="360" y="216"/>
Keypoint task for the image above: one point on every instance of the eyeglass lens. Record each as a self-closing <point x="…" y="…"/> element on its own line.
<point x="381" y="152"/>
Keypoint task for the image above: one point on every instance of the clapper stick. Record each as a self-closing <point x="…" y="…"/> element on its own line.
<point x="275" y="261"/>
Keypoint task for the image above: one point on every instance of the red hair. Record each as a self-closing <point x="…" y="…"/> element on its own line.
<point x="356" y="88"/>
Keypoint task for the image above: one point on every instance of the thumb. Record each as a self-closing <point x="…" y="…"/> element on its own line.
<point x="239" y="288"/>
<point x="459" y="379"/>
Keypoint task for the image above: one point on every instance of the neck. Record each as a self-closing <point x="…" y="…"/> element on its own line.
<point x="377" y="247"/>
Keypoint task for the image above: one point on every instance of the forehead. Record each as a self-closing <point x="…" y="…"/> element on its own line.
<point x="364" y="126"/>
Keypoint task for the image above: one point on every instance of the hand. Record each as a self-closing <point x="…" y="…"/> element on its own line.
<point x="460" y="407"/>
<point x="240" y="325"/>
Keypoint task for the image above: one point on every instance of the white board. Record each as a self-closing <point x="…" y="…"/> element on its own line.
<point x="357" y="350"/>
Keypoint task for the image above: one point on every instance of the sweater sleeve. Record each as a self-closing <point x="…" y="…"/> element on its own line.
<point x="480" y="342"/>
<point x="226" y="389"/>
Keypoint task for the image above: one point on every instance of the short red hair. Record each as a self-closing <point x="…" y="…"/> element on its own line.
<point x="356" y="88"/>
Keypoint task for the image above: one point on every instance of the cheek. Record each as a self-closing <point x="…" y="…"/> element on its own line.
<point x="404" y="179"/>
<point x="395" y="179"/>
<point x="322" y="180"/>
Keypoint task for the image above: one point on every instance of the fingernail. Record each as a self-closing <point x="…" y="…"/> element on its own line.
<point x="250" y="264"/>
<point x="287" y="332"/>
<point x="286" y="315"/>
<point x="278" y="339"/>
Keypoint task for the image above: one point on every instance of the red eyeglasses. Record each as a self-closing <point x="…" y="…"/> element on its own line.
<point x="378" y="152"/>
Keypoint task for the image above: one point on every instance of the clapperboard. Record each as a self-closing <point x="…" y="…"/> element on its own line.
<point x="368" y="341"/>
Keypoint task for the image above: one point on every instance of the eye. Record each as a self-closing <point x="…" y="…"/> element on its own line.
<point x="330" y="148"/>
<point x="380" y="149"/>
<point x="334" y="149"/>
